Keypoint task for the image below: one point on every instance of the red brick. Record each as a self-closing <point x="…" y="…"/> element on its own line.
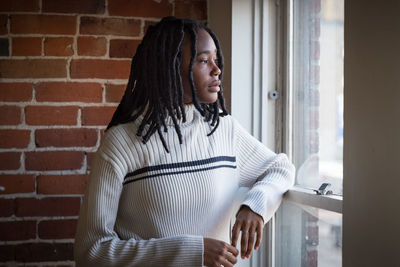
<point x="315" y="6"/>
<point x="89" y="159"/>
<point x="57" y="229"/>
<point x="15" y="92"/>
<point x="10" y="160"/>
<point x="121" y="48"/>
<point x="313" y="140"/>
<point x="97" y="68"/>
<point x="312" y="258"/>
<point x="74" y="6"/>
<point x="43" y="24"/>
<point x="92" y="46"/>
<point x="50" y="206"/>
<point x="66" y="137"/>
<point x="17" y="230"/>
<point x="109" y="26"/>
<point x="14" y="138"/>
<point x="19" y="5"/>
<point x="97" y="115"/>
<point x="140" y="8"/>
<point x="313" y="98"/>
<point x="6" y="208"/>
<point x="314" y="50"/>
<point x="312" y="235"/>
<point x="3" y="24"/>
<point x="311" y="218"/>
<point x="58" y="46"/>
<point x="42" y="252"/>
<point x="53" y="160"/>
<point x="17" y="183"/>
<point x="191" y="9"/>
<point x="313" y="119"/>
<point x="33" y="68"/>
<point x="10" y="115"/>
<point x="7" y="253"/>
<point x="114" y="92"/>
<point x="315" y="74"/>
<point x="50" y="115"/>
<point x="315" y="28"/>
<point x="26" y="46"/>
<point x="62" y="184"/>
<point x="69" y="92"/>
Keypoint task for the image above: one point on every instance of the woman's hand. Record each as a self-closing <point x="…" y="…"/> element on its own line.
<point x="218" y="253"/>
<point x="249" y="223"/>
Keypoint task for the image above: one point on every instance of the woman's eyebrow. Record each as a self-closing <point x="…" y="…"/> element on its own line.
<point x="205" y="52"/>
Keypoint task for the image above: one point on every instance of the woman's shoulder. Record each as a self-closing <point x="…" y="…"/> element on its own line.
<point x="120" y="130"/>
<point x="119" y="136"/>
<point x="228" y="121"/>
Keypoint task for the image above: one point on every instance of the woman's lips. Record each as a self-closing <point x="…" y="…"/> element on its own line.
<point x="214" y="87"/>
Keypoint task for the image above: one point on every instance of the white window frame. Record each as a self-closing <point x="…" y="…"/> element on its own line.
<point x="255" y="36"/>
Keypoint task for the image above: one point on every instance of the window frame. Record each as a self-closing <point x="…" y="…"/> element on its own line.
<point x="269" y="22"/>
<point x="298" y="194"/>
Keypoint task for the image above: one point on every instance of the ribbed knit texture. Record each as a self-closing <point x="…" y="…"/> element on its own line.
<point x="147" y="207"/>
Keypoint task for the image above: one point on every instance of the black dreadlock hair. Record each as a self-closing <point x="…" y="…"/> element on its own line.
<point x="155" y="84"/>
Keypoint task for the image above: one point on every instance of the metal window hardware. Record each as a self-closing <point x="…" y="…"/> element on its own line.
<point x="273" y="94"/>
<point x="324" y="189"/>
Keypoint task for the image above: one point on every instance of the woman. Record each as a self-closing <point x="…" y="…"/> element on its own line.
<point x="170" y="164"/>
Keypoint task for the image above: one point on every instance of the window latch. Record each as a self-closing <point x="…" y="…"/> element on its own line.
<point x="324" y="189"/>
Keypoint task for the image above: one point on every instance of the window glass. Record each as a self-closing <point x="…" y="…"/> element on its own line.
<point x="317" y="92"/>
<point x="308" y="237"/>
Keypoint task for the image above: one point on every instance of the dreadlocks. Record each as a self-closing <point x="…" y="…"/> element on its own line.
<point x="155" y="84"/>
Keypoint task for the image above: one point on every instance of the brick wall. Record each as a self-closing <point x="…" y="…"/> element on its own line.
<point x="314" y="25"/>
<point x="63" y="68"/>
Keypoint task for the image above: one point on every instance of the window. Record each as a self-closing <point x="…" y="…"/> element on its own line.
<point x="309" y="226"/>
<point x="294" y="47"/>
<point x="317" y="92"/>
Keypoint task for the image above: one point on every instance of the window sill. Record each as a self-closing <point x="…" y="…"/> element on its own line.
<point x="310" y="198"/>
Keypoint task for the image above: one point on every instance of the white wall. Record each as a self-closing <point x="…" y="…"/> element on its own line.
<point x="371" y="210"/>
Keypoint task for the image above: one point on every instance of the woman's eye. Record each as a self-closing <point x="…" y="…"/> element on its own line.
<point x="203" y="61"/>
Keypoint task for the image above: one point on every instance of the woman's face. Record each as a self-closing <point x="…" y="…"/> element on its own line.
<point x="205" y="70"/>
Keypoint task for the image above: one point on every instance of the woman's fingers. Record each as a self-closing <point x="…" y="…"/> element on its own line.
<point x="250" y="243"/>
<point x="259" y="231"/>
<point x="219" y="253"/>
<point x="235" y="233"/>
<point x="250" y="225"/>
<point x="244" y="242"/>
<point x="231" y="258"/>
<point x="234" y="251"/>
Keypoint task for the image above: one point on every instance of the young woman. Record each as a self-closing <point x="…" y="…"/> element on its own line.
<point x="166" y="174"/>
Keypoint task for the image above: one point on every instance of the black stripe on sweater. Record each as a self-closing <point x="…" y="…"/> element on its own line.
<point x="180" y="165"/>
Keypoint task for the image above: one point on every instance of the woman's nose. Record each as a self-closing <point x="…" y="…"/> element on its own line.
<point x="216" y="71"/>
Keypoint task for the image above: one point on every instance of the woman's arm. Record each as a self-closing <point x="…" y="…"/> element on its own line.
<point x="97" y="244"/>
<point x="269" y="176"/>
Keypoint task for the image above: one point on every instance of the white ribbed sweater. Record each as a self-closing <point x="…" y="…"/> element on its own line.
<point x="146" y="207"/>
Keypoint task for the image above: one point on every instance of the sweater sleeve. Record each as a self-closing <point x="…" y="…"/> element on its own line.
<point x="96" y="242"/>
<point x="267" y="174"/>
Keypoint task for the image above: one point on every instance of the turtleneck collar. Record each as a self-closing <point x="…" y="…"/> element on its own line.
<point x="189" y="111"/>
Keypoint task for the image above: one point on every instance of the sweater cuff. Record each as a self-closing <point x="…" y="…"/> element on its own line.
<point x="257" y="203"/>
